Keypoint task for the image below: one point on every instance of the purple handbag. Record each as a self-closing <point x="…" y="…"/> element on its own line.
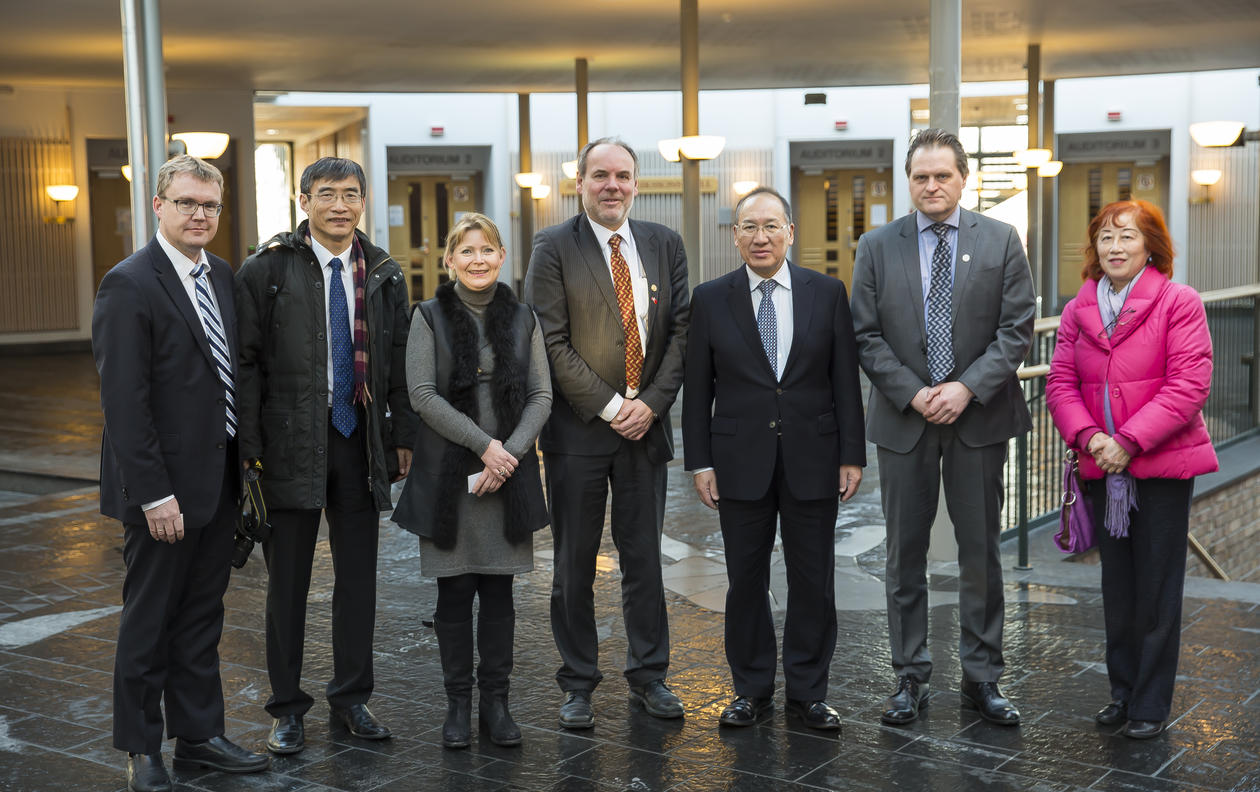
<point x="1076" y="514"/>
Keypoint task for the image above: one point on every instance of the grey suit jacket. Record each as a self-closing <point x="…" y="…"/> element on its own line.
<point x="571" y="289"/>
<point x="993" y="311"/>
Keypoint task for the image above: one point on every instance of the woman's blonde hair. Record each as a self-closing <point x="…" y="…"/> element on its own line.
<point x="472" y="221"/>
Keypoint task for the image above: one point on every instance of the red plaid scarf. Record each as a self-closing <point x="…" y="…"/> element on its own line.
<point x="361" y="394"/>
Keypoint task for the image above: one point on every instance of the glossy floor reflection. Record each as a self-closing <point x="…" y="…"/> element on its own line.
<point x="60" y="577"/>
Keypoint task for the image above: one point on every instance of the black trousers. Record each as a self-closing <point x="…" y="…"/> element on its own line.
<point x="353" y="530"/>
<point x="577" y="489"/>
<point x="168" y="634"/>
<point x="910" y="489"/>
<point x="808" y="529"/>
<point x="1143" y="579"/>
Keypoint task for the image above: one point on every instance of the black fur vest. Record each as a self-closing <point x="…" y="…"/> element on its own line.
<point x="429" y="505"/>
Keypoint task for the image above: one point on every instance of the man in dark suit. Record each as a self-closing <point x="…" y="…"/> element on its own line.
<point x="612" y="297"/>
<point x="164" y="338"/>
<point x="772" y="416"/>
<point x="943" y="307"/>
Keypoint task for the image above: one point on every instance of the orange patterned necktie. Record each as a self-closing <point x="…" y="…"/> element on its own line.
<point x="629" y="322"/>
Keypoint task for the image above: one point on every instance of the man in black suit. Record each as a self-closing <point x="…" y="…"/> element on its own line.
<point x="611" y="294"/>
<point x="772" y="416"/>
<point x="164" y="338"/>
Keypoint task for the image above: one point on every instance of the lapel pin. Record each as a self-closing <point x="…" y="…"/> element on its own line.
<point x="653" y="287"/>
<point x="966" y="257"/>
<point x="654" y="301"/>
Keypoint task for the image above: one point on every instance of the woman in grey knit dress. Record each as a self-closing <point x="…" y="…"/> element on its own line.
<point x="477" y="373"/>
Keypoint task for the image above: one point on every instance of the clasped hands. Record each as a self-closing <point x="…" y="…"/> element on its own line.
<point x="943" y="403"/>
<point x="500" y="465"/>
<point x="633" y="419"/>
<point x="1109" y="455"/>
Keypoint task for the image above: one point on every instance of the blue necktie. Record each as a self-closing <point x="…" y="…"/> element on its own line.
<point x="218" y="342"/>
<point x="940" y="342"/>
<point x="768" y="324"/>
<point x="344" y="418"/>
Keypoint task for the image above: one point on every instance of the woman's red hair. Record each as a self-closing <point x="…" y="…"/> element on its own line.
<point x="1148" y="219"/>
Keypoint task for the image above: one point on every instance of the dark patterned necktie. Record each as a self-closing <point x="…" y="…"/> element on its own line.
<point x="344" y="418"/>
<point x="768" y="324"/>
<point x="940" y="342"/>
<point x="218" y="343"/>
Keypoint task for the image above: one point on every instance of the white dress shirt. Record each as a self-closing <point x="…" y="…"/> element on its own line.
<point x="638" y="285"/>
<point x="324" y="255"/>
<point x="185" y="267"/>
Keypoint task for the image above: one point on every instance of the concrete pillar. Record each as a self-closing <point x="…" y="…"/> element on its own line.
<point x="945" y="111"/>
<point x="527" y="198"/>
<point x="142" y="221"/>
<point x="945" y="64"/>
<point x="1049" y="286"/>
<point x="155" y="92"/>
<point x="581" y="86"/>
<point x="689" y="32"/>
<point x="1035" y="259"/>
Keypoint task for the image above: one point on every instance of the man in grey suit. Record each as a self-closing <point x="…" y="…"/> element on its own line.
<point x="611" y="294"/>
<point x="945" y="400"/>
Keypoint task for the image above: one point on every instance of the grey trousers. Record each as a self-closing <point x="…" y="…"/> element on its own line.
<point x="910" y="485"/>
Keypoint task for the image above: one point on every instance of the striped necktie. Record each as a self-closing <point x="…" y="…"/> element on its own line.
<point x="218" y="342"/>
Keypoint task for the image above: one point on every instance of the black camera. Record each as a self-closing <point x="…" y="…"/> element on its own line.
<point x="253" y="526"/>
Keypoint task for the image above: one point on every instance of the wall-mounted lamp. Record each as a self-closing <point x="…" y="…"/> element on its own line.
<point x="701" y="147"/>
<point x="528" y="180"/>
<point x="203" y="145"/>
<point x="540" y="191"/>
<point x="1205" y="178"/>
<point x="126" y="171"/>
<point x="1049" y="169"/>
<point x="61" y="194"/>
<point x="1033" y="157"/>
<point x="669" y="149"/>
<point x="569" y="168"/>
<point x="744" y="187"/>
<point x="1218" y="133"/>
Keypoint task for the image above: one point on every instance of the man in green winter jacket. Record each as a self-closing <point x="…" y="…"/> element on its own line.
<point x="322" y="398"/>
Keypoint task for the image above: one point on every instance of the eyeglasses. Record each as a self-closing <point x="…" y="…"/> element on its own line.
<point x="329" y="198"/>
<point x="751" y="229"/>
<point x="187" y="206"/>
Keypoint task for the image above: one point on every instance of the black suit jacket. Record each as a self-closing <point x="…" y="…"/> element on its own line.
<point x="571" y="289"/>
<point x="734" y="408"/>
<point x="164" y="404"/>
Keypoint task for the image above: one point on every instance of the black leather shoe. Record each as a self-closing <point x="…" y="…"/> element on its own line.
<point x="815" y="714"/>
<point x="146" y="773"/>
<point x="288" y="736"/>
<point x="1143" y="730"/>
<point x="1113" y="713"/>
<point x="903" y="706"/>
<point x="993" y="707"/>
<point x="576" y="712"/>
<point x="745" y="711"/>
<point x="218" y="753"/>
<point x="360" y="722"/>
<point x="657" y="699"/>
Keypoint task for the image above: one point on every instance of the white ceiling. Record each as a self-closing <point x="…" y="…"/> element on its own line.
<point x="512" y="46"/>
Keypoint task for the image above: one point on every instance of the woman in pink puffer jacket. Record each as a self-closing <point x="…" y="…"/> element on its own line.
<point x="1131" y="372"/>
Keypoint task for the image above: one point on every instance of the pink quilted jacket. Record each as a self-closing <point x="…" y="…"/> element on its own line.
<point x="1158" y="364"/>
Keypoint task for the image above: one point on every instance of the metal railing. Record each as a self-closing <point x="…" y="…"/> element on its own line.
<point x="1033" y="485"/>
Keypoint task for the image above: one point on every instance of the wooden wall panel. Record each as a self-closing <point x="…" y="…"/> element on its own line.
<point x="37" y="260"/>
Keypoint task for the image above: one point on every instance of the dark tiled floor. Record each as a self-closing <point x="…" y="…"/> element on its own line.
<point x="60" y="577"/>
